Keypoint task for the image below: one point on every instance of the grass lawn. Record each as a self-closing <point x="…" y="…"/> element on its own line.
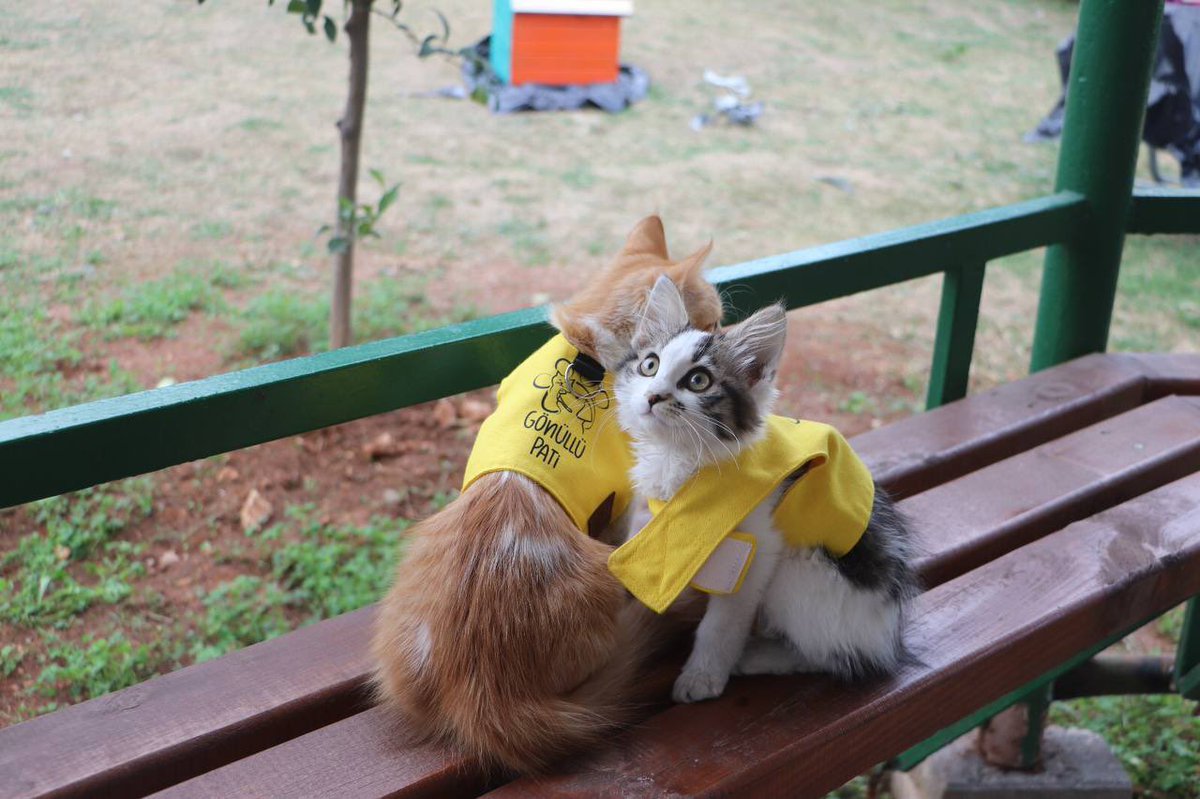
<point x="165" y="168"/>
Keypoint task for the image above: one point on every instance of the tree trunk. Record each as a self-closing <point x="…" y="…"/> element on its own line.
<point x="350" y="126"/>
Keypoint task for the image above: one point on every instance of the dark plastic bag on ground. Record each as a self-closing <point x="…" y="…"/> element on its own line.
<point x="1173" y="105"/>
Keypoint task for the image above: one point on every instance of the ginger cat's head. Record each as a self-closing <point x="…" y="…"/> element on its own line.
<point x="601" y="318"/>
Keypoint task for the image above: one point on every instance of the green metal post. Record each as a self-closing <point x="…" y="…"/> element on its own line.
<point x="1106" y="101"/>
<point x="1037" y="704"/>
<point x="1187" y="656"/>
<point x="955" y="340"/>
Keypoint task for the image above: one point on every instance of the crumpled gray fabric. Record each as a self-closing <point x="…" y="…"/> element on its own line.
<point x="631" y="85"/>
<point x="1173" y="105"/>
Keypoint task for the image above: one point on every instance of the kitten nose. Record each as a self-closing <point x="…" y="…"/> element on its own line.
<point x="654" y="399"/>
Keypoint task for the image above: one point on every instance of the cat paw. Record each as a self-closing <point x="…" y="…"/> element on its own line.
<point x="696" y="686"/>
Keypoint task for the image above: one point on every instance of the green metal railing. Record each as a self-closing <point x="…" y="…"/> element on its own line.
<point x="75" y="447"/>
<point x="1084" y="224"/>
<point x="67" y="449"/>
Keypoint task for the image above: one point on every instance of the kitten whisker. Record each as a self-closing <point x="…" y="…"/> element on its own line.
<point x="699" y="434"/>
<point x="722" y="425"/>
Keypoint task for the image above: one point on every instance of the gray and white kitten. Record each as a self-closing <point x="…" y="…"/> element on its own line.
<point x="690" y="398"/>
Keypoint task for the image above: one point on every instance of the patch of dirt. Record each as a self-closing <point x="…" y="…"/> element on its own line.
<point x="390" y="465"/>
<point x="197" y="506"/>
<point x="194" y="350"/>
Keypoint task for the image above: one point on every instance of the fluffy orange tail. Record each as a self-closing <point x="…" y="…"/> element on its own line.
<point x="528" y="734"/>
<point x="506" y="635"/>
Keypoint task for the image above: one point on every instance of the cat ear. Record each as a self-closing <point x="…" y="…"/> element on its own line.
<point x="758" y="342"/>
<point x="702" y="300"/>
<point x="610" y="349"/>
<point x="647" y="238"/>
<point x="664" y="314"/>
<point x="690" y="267"/>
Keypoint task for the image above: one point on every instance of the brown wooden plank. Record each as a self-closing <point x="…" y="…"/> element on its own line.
<point x="362" y="756"/>
<point x="979" y="637"/>
<point x="988" y="512"/>
<point x="1169" y="373"/>
<point x="934" y="447"/>
<point x="978" y="517"/>
<point x="197" y="719"/>
<point x="172" y="727"/>
<point x="365" y="756"/>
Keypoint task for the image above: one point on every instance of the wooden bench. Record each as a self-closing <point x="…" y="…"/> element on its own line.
<point x="1060" y="512"/>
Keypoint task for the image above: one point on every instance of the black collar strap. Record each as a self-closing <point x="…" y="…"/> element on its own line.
<point x="588" y="368"/>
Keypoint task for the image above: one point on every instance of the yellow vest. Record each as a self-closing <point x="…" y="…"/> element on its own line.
<point x="554" y="426"/>
<point x="829" y="507"/>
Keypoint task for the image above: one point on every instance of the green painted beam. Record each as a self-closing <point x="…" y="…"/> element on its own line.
<point x="1187" y="655"/>
<point x="955" y="339"/>
<point x="100" y="441"/>
<point x="72" y="448"/>
<point x="1164" y="211"/>
<point x="811" y="276"/>
<point x="1106" y="100"/>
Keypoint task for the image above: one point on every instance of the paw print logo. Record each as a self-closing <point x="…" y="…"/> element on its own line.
<point x="567" y="392"/>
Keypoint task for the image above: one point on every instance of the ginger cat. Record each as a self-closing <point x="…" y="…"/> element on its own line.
<point x="504" y="633"/>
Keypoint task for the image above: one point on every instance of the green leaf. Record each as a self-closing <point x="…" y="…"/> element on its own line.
<point x="338" y="245"/>
<point x="308" y="24"/>
<point x="388" y="198"/>
<point x="313" y="6"/>
<point x="296" y="7"/>
<point x="330" y="29"/>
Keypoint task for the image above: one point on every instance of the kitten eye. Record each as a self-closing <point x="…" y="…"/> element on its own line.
<point x="649" y="366"/>
<point x="698" y="380"/>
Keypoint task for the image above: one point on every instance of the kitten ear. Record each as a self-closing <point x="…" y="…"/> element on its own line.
<point x="647" y="238"/>
<point x="758" y="342"/>
<point x="664" y="314"/>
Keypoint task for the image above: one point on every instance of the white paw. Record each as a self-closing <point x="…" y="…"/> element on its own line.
<point x="695" y="686"/>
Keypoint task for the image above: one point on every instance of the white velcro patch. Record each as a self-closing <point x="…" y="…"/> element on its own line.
<point x="726" y="567"/>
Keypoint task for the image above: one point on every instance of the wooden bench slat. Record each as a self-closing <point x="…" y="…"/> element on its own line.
<point x="359" y="757"/>
<point x="979" y="637"/>
<point x="230" y="715"/>
<point x="934" y="447"/>
<point x="1169" y="373"/>
<point x="172" y="727"/>
<point x="978" y="517"/>
<point x="1123" y="456"/>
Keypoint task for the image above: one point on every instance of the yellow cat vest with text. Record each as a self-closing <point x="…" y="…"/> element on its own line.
<point x="551" y="425"/>
<point x="829" y="507"/>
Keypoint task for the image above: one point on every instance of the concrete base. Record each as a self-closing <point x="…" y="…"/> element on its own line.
<point x="1078" y="765"/>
